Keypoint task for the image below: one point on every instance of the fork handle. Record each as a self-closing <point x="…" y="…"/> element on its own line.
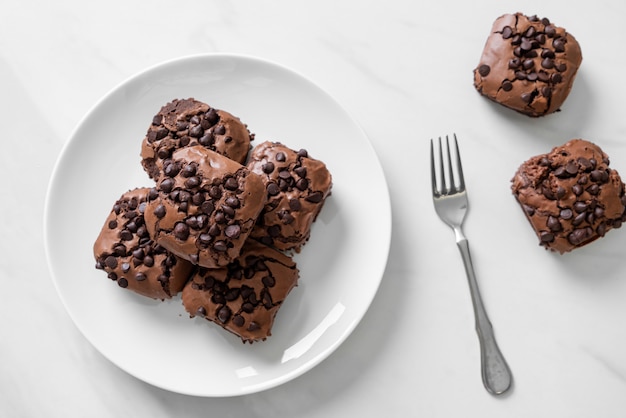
<point x="495" y="372"/>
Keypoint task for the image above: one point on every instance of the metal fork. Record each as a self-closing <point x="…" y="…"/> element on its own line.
<point x="451" y="205"/>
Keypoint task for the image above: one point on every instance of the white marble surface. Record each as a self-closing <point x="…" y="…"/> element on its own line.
<point x="403" y="69"/>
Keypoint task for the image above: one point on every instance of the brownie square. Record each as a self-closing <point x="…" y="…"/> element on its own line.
<point x="297" y="186"/>
<point x="126" y="253"/>
<point x="528" y="64"/>
<point x="245" y="296"/>
<point x="204" y="207"/>
<point x="188" y="122"/>
<point x="570" y="195"/>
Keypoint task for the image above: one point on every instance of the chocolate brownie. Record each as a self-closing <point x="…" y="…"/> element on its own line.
<point x="570" y="196"/>
<point x="189" y="122"/>
<point x="528" y="64"/>
<point x="244" y="296"/>
<point x="297" y="186"/>
<point x="204" y="207"/>
<point x="125" y="251"/>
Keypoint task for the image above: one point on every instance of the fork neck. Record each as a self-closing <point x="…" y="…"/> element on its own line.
<point x="458" y="234"/>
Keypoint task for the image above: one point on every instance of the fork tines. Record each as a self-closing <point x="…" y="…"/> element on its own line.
<point x="445" y="161"/>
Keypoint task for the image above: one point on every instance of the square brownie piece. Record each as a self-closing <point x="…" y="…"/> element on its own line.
<point x="188" y="122"/>
<point x="297" y="186"/>
<point x="245" y="296"/>
<point x="528" y="64"/>
<point x="126" y="253"/>
<point x="570" y="195"/>
<point x="204" y="207"/>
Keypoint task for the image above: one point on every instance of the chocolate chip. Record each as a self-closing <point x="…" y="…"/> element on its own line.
<point x="507" y="85"/>
<point x="526" y="44"/>
<point x="215" y="192"/>
<point x="528" y="64"/>
<point x="167" y="185"/>
<point x="559" y="45"/>
<point x="207" y="207"/>
<point x="181" y="231"/>
<point x="315" y="197"/>
<point x="111" y="262"/>
<point x="233" y="202"/>
<point x="232" y="231"/>
<point x="273" y="189"/>
<point x="219" y="130"/>
<point x="594" y="189"/>
<point x="220" y="246"/>
<point x="196" y="131"/>
<point x="201" y="311"/>
<point x="566" y="214"/>
<point x="122" y="282"/>
<point x="192" y="182"/>
<point x="294" y="204"/>
<point x="268" y="167"/>
<point x="546" y="91"/>
<point x="302" y="184"/>
<point x="597" y="176"/>
<point x="207" y="139"/>
<point x="580" y="207"/>
<point x="580" y="218"/>
<point x="148" y="261"/>
<point x="140" y="277"/>
<point x="159" y="211"/>
<point x="553" y="224"/>
<point x="483" y="70"/>
<point x="507" y="32"/>
<point x="268" y="281"/>
<point x="547" y="237"/>
<point x="578" y="236"/>
<point x="224" y="314"/>
<point x="571" y="168"/>
<point x="577" y="189"/>
<point x="253" y="326"/>
<point x="231" y="184"/>
<point x="212" y="116"/>
<point x="214" y="230"/>
<point x="238" y="320"/>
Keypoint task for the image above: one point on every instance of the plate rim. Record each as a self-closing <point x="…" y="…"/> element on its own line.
<point x="385" y="203"/>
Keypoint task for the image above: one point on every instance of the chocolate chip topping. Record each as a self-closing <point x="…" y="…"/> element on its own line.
<point x="189" y="122"/>
<point x="126" y="252"/>
<point x="206" y="209"/>
<point x="297" y="186"/>
<point x="571" y="196"/>
<point x="528" y="64"/>
<point x="244" y="296"/>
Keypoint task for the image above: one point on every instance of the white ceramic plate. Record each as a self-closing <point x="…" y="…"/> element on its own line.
<point x="340" y="268"/>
